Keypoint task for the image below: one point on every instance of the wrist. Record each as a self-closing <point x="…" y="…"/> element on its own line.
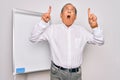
<point x="94" y="25"/>
<point x="43" y="23"/>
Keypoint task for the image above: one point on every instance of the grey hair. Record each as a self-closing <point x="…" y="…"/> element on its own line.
<point x="69" y="4"/>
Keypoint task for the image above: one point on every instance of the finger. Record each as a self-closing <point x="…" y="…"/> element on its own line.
<point x="90" y="17"/>
<point x="49" y="10"/>
<point x="44" y="18"/>
<point x="89" y="12"/>
<point x="90" y="21"/>
<point x="94" y="17"/>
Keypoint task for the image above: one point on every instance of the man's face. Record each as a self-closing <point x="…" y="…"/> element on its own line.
<point x="68" y="15"/>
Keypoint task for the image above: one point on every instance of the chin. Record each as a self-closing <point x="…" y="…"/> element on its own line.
<point x="68" y="25"/>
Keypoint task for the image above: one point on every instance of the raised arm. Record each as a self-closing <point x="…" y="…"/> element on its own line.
<point x="41" y="30"/>
<point x="96" y="37"/>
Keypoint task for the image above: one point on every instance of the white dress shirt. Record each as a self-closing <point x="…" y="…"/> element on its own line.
<point x="66" y="44"/>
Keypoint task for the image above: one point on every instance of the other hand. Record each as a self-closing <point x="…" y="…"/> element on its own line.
<point x="92" y="19"/>
<point x="46" y="16"/>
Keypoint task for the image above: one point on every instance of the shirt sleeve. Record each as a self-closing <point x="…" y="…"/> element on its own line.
<point x="40" y="32"/>
<point x="96" y="37"/>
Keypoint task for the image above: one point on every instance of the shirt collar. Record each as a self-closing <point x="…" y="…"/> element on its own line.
<point x="68" y="28"/>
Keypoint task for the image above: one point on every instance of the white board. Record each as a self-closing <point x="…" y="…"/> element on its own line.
<point x="28" y="56"/>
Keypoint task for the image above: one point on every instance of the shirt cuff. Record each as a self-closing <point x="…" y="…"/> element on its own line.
<point x="97" y="31"/>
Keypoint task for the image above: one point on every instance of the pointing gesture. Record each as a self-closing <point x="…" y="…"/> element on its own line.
<point x="46" y="16"/>
<point x="49" y="10"/>
<point x="92" y="19"/>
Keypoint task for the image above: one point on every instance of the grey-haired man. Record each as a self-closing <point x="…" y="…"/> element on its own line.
<point x="67" y="41"/>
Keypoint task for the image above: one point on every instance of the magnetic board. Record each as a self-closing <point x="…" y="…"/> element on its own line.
<point x="28" y="56"/>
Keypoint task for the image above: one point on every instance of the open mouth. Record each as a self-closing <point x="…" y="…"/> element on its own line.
<point x="68" y="16"/>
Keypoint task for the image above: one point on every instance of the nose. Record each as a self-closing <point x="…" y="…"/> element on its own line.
<point x="69" y="11"/>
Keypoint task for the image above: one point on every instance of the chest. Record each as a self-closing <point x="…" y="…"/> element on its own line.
<point x="73" y="36"/>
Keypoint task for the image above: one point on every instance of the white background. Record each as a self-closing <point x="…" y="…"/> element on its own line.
<point x="100" y="63"/>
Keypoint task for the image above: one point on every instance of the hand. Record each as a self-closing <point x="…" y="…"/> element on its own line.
<point x="92" y="19"/>
<point x="46" y="16"/>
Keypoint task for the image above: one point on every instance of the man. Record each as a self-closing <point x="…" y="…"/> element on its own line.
<point x="67" y="41"/>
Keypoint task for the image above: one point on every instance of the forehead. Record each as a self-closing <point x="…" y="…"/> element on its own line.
<point x="69" y="6"/>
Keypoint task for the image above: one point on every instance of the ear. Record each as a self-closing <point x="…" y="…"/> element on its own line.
<point x="75" y="17"/>
<point x="61" y="15"/>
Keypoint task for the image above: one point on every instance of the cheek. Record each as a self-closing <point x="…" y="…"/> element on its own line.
<point x="73" y="18"/>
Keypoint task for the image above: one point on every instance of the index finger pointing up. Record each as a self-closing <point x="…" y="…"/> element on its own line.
<point x="49" y="10"/>
<point x="89" y="12"/>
